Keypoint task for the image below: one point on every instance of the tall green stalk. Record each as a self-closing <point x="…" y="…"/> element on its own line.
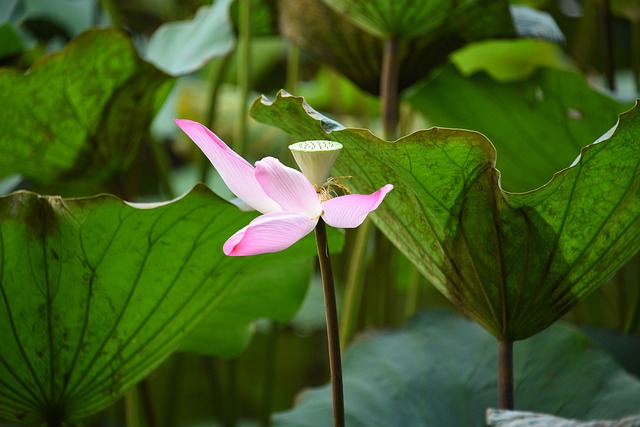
<point x="635" y="48"/>
<point x="354" y="283"/>
<point x="333" y="334"/>
<point x="111" y="8"/>
<point x="293" y="68"/>
<point x="132" y="412"/>
<point x="244" y="73"/>
<point x="270" y="375"/>
<point x="215" y="80"/>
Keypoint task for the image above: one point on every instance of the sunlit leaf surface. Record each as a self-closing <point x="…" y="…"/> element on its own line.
<point x="439" y="370"/>
<point x="513" y="262"/>
<point x="79" y="113"/>
<point x="95" y="293"/>
<point x="537" y="125"/>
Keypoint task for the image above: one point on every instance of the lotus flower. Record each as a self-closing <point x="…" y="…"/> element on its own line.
<point x="290" y="203"/>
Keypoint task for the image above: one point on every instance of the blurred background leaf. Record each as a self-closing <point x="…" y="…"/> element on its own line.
<point x="439" y="370"/>
<point x="183" y="47"/>
<point x="66" y="126"/>
<point x="407" y="19"/>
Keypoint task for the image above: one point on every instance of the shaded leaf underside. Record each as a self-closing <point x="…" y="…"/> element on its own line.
<point x="513" y="262"/>
<point x="331" y="38"/>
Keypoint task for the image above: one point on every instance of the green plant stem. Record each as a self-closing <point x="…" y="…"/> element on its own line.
<point x="132" y="408"/>
<point x="170" y="415"/>
<point x="231" y="415"/>
<point x="147" y="403"/>
<point x="215" y="80"/>
<point x="270" y="374"/>
<point x="212" y="371"/>
<point x="354" y="283"/>
<point x="635" y="48"/>
<point x="333" y="334"/>
<point x="293" y="68"/>
<point x="112" y="10"/>
<point x="389" y="89"/>
<point x="244" y="73"/>
<point x="505" y="374"/>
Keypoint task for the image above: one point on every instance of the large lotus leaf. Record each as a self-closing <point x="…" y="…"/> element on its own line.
<point x="537" y="125"/>
<point x="513" y="262"/>
<point x="94" y="293"/>
<point x="332" y="39"/>
<point x="508" y="60"/>
<point x="440" y="370"/>
<point x="79" y="113"/>
<point x="185" y="46"/>
<point x="407" y="19"/>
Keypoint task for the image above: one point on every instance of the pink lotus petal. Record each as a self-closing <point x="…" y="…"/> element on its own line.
<point x="235" y="171"/>
<point x="351" y="210"/>
<point x="288" y="187"/>
<point x="270" y="232"/>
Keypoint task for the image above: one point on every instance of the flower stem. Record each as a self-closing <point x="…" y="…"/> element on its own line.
<point x="333" y="335"/>
<point x="505" y="374"/>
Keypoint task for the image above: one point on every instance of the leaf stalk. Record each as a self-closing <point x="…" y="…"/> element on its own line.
<point x="505" y="374"/>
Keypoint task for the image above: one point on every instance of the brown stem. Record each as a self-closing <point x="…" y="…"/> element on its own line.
<point x="607" y="43"/>
<point x="333" y="336"/>
<point x="505" y="374"/>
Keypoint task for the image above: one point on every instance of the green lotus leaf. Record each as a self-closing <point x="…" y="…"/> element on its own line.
<point x="513" y="262"/>
<point x="79" y="113"/>
<point x="95" y="293"/>
<point x="538" y="125"/>
<point x="407" y="19"/>
<point x="440" y="370"/>
<point x="331" y="38"/>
